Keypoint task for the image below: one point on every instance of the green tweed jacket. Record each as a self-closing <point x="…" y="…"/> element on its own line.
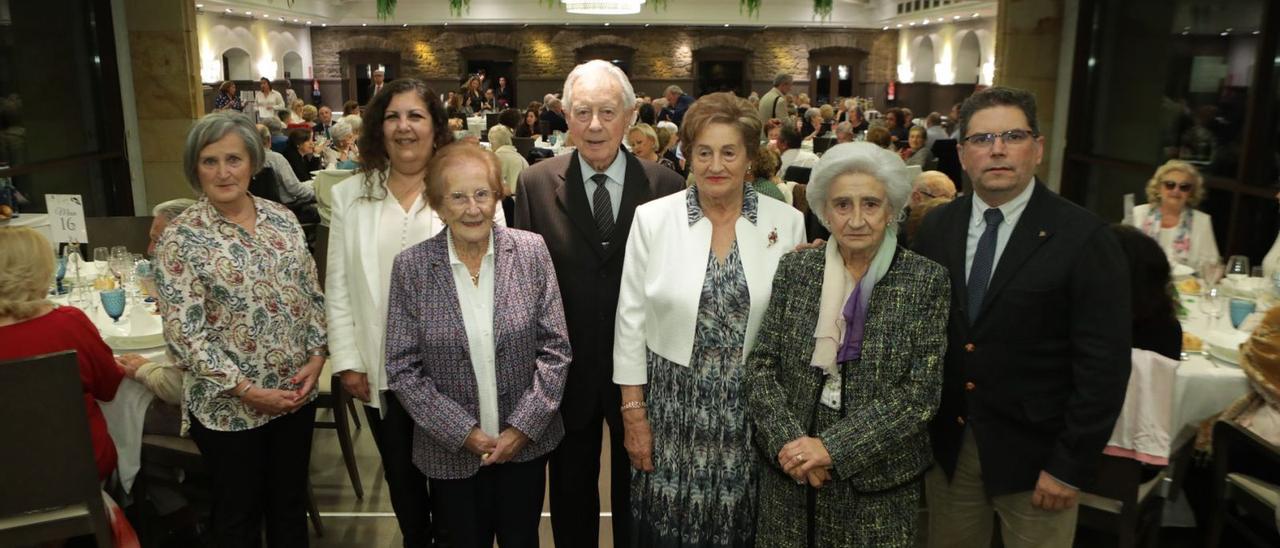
<point x="880" y="446"/>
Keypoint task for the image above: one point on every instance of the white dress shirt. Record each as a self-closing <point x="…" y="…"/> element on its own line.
<point x="617" y="172"/>
<point x="268" y="103"/>
<point x="398" y="230"/>
<point x="1012" y="210"/>
<point x="476" y="302"/>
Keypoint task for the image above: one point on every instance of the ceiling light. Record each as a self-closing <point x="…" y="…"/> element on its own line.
<point x="886" y="27"/>
<point x="266" y="16"/>
<point x="322" y="24"/>
<point x="248" y="13"/>
<point x="955" y="17"/>
<point x="606" y="24"/>
<point x="899" y="25"/>
<point x="405" y="25"/>
<point x="975" y="14"/>
<point x="911" y="24"/>
<point x="1224" y="33"/>
<point x="228" y="10"/>
<point x="646" y="25"/>
<point x="603" y="7"/>
<point x="1257" y="32"/>
<point x="295" y="20"/>
<point x="1186" y="32"/>
<point x="726" y="25"/>
<point x="364" y="24"/>
<point x="199" y="5"/>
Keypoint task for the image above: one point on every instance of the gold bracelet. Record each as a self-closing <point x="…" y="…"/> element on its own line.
<point x="635" y="404"/>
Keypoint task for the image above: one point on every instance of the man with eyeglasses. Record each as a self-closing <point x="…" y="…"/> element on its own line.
<point x="582" y="204"/>
<point x="1038" y="340"/>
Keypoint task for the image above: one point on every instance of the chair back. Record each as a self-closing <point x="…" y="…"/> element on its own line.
<point x="48" y="462"/>
<point x="821" y="144"/>
<point x="131" y="232"/>
<point x="524" y="145"/>
<point x="797" y="174"/>
<point x="948" y="158"/>
<point x="490" y="120"/>
<point x="265" y="185"/>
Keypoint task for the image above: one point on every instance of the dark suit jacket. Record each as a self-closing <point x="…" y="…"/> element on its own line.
<point x="552" y="200"/>
<point x="555" y="122"/>
<point x="1041" y="375"/>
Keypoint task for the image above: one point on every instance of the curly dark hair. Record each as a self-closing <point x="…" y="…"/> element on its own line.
<point x="374" y="159"/>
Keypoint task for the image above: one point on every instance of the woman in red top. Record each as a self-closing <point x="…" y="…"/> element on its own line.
<point x="30" y="325"/>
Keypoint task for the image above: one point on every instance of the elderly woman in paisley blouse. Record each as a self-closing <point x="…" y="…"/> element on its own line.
<point x="847" y="369"/>
<point x="243" y="312"/>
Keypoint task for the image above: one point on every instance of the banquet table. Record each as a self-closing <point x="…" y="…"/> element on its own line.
<point x="38" y="221"/>
<point x="1202" y="385"/>
<point x="126" y="413"/>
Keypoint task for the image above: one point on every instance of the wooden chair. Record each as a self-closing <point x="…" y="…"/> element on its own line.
<point x="50" y="481"/>
<point x="334" y="397"/>
<point x="131" y="232"/>
<point x="1244" y="501"/>
<point x="821" y="144"/>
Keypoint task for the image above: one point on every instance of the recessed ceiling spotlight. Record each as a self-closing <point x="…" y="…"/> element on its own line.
<point x="925" y="22"/>
<point x="975" y="14"/>
<point x="726" y="25"/>
<point x="1186" y="32"/>
<point x="324" y="24"/>
<point x="228" y="10"/>
<point x="199" y="5"/>
<point x="1224" y="33"/>
<point x="899" y="25"/>
<point x="911" y="24"/>
<point x="295" y="20"/>
<point x="606" y="24"/>
<point x="266" y="16"/>
<point x="1229" y="29"/>
<point x="364" y="24"/>
<point x="248" y="13"/>
<point x="446" y="24"/>
<point x="404" y="25"/>
<point x="1257" y="32"/>
<point x="646" y="25"/>
<point x="886" y="27"/>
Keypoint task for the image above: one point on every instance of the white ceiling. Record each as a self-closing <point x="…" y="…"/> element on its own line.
<point x="790" y="13"/>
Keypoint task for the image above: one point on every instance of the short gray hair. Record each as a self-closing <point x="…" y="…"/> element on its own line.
<point x="812" y="112"/>
<point x="844" y="127"/>
<point x="274" y="125"/>
<point x="172" y="208"/>
<point x="628" y="92"/>
<point x="499" y="136"/>
<point x="341" y="130"/>
<point x="781" y="78"/>
<point x="210" y="129"/>
<point x="861" y="157"/>
<point x="673" y="89"/>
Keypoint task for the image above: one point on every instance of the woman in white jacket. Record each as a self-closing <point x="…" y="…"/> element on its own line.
<point x="696" y="281"/>
<point x="267" y="100"/>
<point x="1184" y="233"/>
<point x="377" y="213"/>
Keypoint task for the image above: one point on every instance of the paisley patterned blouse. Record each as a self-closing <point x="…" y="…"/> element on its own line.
<point x="237" y="306"/>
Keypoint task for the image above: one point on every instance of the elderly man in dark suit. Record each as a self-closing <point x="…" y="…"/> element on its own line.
<point x="582" y="204"/>
<point x="1038" y="340"/>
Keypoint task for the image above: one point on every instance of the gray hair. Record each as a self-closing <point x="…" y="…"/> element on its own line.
<point x="274" y="125"/>
<point x="861" y="157"/>
<point x="172" y="208"/>
<point x="812" y="112"/>
<point x="673" y="89"/>
<point x="499" y="136"/>
<point x="597" y="65"/>
<point x="844" y="127"/>
<point x="781" y="78"/>
<point x="213" y="127"/>
<point x="341" y="130"/>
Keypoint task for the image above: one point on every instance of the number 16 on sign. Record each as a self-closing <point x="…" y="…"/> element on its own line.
<point x="66" y="217"/>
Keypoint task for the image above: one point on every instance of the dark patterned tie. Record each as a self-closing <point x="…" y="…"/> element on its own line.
<point x="603" y="207"/>
<point x="983" y="260"/>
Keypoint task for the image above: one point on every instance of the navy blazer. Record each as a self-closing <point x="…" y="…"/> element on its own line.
<point x="428" y="357"/>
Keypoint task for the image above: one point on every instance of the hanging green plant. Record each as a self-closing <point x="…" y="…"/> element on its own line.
<point x="822" y="9"/>
<point x="455" y="6"/>
<point x="752" y="7"/>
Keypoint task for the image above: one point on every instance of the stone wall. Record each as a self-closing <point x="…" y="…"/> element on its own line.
<point x="545" y="55"/>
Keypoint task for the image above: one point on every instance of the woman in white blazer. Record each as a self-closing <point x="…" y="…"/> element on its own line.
<point x="696" y="281"/>
<point x="377" y="213"/>
<point x="1184" y="233"/>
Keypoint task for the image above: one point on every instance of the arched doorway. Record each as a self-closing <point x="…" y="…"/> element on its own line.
<point x="293" y="66"/>
<point x="494" y="61"/>
<point x="922" y="59"/>
<point x="236" y="65"/>
<point x="721" y="68"/>
<point x="357" y="71"/>
<point x="968" y="59"/>
<point x="836" y="72"/>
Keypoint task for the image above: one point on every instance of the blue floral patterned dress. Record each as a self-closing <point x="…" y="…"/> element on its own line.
<point x="703" y="487"/>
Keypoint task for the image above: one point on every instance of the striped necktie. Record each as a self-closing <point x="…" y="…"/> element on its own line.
<point x="603" y="208"/>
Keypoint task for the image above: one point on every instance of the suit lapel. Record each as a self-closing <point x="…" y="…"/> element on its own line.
<point x="503" y="284"/>
<point x="442" y="276"/>
<point x="635" y="191"/>
<point x="1029" y="234"/>
<point x="366" y="213"/>
<point x="572" y="196"/>
<point x="956" y="233"/>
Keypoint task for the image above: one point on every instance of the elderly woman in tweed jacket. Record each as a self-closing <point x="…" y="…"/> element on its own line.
<point x="847" y="369"/>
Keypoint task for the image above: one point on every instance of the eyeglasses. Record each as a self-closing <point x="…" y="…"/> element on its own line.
<point x="1170" y="185"/>
<point x="583" y="113"/>
<point x="482" y="196"/>
<point x="1013" y="137"/>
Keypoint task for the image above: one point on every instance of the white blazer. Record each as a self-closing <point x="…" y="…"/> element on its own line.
<point x="352" y="287"/>
<point x="662" y="276"/>
<point x="1203" y="244"/>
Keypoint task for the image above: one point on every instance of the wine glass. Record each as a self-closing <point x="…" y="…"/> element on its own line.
<point x="1237" y="267"/>
<point x="60" y="274"/>
<point x="1211" y="270"/>
<point x="113" y="303"/>
<point x="101" y="255"/>
<point x="1211" y="305"/>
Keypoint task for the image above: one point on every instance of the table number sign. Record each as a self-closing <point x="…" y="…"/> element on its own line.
<point x="66" y="217"/>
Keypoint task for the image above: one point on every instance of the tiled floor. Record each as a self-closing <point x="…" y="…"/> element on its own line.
<point x="349" y="521"/>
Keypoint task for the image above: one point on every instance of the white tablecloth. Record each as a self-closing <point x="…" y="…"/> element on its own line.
<point x="38" y="221"/>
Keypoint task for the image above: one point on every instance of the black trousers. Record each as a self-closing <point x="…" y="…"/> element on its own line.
<point x="575" y="484"/>
<point x="259" y="475"/>
<point x="410" y="499"/>
<point x="502" y="500"/>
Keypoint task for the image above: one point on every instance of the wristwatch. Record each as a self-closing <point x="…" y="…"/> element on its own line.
<point x="318" y="352"/>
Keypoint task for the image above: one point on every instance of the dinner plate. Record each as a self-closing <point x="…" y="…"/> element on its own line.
<point x="135" y="343"/>
<point x="1225" y="356"/>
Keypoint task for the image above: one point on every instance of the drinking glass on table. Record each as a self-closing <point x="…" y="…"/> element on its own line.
<point x="1237" y="267"/>
<point x="1211" y="270"/>
<point x="101" y="255"/>
<point x="1211" y="306"/>
<point x="113" y="303"/>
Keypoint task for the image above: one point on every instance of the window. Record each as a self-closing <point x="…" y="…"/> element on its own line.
<point x="1157" y="80"/>
<point x="61" y="131"/>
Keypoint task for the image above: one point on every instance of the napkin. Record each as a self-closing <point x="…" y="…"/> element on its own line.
<point x="142" y="322"/>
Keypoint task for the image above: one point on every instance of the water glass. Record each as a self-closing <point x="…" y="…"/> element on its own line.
<point x="113" y="303"/>
<point x="101" y="255"/>
<point x="1211" y="270"/>
<point x="1238" y="267"/>
<point x="1240" y="309"/>
<point x="1211" y="306"/>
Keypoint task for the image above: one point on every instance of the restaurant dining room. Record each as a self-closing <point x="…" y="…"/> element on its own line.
<point x="376" y="273"/>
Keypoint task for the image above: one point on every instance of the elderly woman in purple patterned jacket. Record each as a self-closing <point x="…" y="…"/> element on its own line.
<point x="477" y="352"/>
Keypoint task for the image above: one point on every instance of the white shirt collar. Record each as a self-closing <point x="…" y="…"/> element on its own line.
<point x="453" y="253"/>
<point x="616" y="172"/>
<point x="1011" y="209"/>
